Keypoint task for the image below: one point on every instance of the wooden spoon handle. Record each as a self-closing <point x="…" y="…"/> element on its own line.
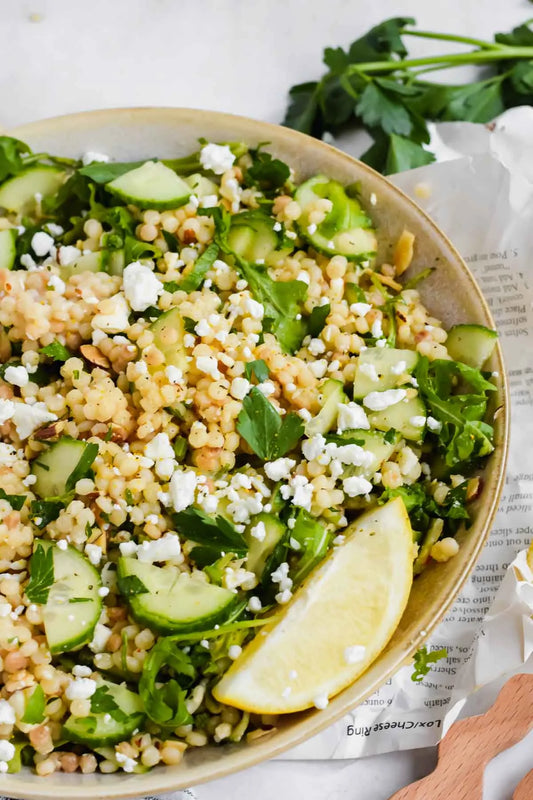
<point x="471" y="743"/>
<point x="524" y="790"/>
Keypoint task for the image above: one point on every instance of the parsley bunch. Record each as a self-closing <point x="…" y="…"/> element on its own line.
<point x="374" y="84"/>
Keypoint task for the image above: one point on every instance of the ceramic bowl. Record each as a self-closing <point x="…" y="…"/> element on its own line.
<point x="451" y="294"/>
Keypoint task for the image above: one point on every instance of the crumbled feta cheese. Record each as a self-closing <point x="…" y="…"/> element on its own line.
<point x="182" y="488"/>
<point x="370" y="371"/>
<point x="167" y="548"/>
<point x="55" y="283"/>
<point x="216" y="157"/>
<point x="303" y="276"/>
<point x="174" y="374"/>
<point x="280" y="469"/>
<point x="434" y="424"/>
<point x="141" y="286"/>
<point x="7" y="713"/>
<point x="80" y="689"/>
<point x="360" y="309"/>
<point x="356" y="485"/>
<point x="90" y="158"/>
<point x="418" y="421"/>
<point x="28" y="418"/>
<point x="253" y="308"/>
<point x="302" y="491"/>
<point x="258" y="531"/>
<point x="316" y="347"/>
<point x="7" y="409"/>
<point x="399" y="368"/>
<point x="127" y="548"/>
<point x="93" y="553"/>
<point x="351" y="415"/>
<point x="381" y="342"/>
<point x="254" y="604"/>
<point x="159" y="447"/>
<point x="67" y="254"/>
<point x="209" y="366"/>
<point x="312" y="448"/>
<point x="81" y="671"/>
<point x="352" y="454"/>
<point x="354" y="653"/>
<point x="305" y="414"/>
<point x="240" y="388"/>
<point x="54" y="229"/>
<point x="266" y="388"/>
<point x="234" y="651"/>
<point x="335" y="468"/>
<point x="321" y="701"/>
<point x="276" y="226"/>
<point x="128" y="764"/>
<point x="283" y="597"/>
<point x="27" y="261"/>
<point x="203" y="328"/>
<point x="235" y="577"/>
<point x="378" y="401"/>
<point x="7" y="750"/>
<point x="376" y="329"/>
<point x="16" y="376"/>
<point x="319" y="368"/>
<point x="41" y="243"/>
<point x="112" y="316"/>
<point x="100" y="638"/>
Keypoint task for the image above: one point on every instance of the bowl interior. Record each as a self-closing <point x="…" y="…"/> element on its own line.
<point x="450" y="293"/>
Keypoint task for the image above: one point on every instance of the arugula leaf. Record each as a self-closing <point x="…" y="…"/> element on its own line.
<point x="11" y="152"/>
<point x="41" y="574"/>
<point x="423" y="660"/>
<point x="35" y="705"/>
<point x="268" y="174"/>
<point x="317" y="319"/>
<point x="202" y="265"/>
<point x="215" y="532"/>
<point x="56" y="351"/>
<point x="131" y="585"/>
<point x="83" y="466"/>
<point x="314" y="540"/>
<point x="135" y="250"/>
<point x="164" y="702"/>
<point x="102" y="702"/>
<point x="258" y="368"/>
<point x="104" y="172"/>
<point x="16" y="501"/>
<point x="46" y="511"/>
<point x="423" y="509"/>
<point x="268" y="433"/>
<point x="71" y="199"/>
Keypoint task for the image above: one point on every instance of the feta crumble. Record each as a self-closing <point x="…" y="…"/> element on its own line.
<point x="28" y="418"/>
<point x="7" y="409"/>
<point x="80" y="689"/>
<point x="356" y="485"/>
<point x="378" y="401"/>
<point x="16" y="376"/>
<point x="182" y="488"/>
<point x="351" y="415"/>
<point x="42" y="243"/>
<point x="141" y="286"/>
<point x="216" y="157"/>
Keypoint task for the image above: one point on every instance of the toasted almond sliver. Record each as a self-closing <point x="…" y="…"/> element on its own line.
<point x="403" y="252"/>
<point x="93" y="354"/>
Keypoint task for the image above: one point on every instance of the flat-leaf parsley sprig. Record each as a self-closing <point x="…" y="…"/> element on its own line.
<point x="376" y="85"/>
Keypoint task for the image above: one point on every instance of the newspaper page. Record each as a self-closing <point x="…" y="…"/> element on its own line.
<point x="482" y="197"/>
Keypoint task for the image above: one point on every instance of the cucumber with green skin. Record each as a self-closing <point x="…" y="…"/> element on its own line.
<point x="471" y="344"/>
<point x="90" y="262"/>
<point x="8" y="249"/>
<point x="399" y="417"/>
<point x="373" y="442"/>
<point x="346" y="229"/>
<point x="169" y="331"/>
<point x="253" y="238"/>
<point x="331" y="394"/>
<point x="101" y="729"/>
<point x="152" y="185"/>
<point x="18" y="194"/>
<point x="59" y="466"/>
<point x="173" y="601"/>
<point x="73" y="605"/>
<point x="381" y="363"/>
<point x="260" y="550"/>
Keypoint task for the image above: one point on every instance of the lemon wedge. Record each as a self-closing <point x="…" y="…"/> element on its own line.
<point x="336" y="624"/>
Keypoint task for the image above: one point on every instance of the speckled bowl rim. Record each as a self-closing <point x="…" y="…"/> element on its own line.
<point x="230" y="759"/>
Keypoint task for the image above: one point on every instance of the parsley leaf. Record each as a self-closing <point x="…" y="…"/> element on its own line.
<point x="83" y="466"/>
<point x="164" y="698"/>
<point x="423" y="660"/>
<point x="16" y="501"/>
<point x="130" y="585"/>
<point x="56" y="351"/>
<point x="268" y="174"/>
<point x="104" y="172"/>
<point x="215" y="531"/>
<point x="268" y="433"/>
<point x="35" y="705"/>
<point x="317" y="319"/>
<point x="257" y="368"/>
<point x="102" y="702"/>
<point x="45" y="511"/>
<point x="11" y="152"/>
<point x="194" y="279"/>
<point x="41" y="574"/>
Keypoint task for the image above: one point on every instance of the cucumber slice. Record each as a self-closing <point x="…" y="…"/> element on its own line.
<point x="201" y="186"/>
<point x="381" y="362"/>
<point x="331" y="394"/>
<point x="168" y="330"/>
<point x="252" y="236"/>
<point x="153" y="185"/>
<point x="18" y="193"/>
<point x="59" y="467"/>
<point x="8" y="249"/>
<point x="174" y="602"/>
<point x="345" y="231"/>
<point x="103" y="729"/>
<point x="92" y="262"/>
<point x="73" y="606"/>
<point x="471" y="344"/>
<point x="399" y="417"/>
<point x="260" y="550"/>
<point x="373" y="442"/>
<point x="116" y="262"/>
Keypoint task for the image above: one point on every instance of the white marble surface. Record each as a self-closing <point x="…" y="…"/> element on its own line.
<point x="60" y="56"/>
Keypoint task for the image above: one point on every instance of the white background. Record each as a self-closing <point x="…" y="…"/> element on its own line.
<point x="60" y="56"/>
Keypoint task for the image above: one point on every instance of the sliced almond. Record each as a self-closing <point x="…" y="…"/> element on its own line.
<point x="50" y="431"/>
<point x="403" y="252"/>
<point x="94" y="356"/>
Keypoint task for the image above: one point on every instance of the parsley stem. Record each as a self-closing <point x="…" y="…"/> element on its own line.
<point x="451" y="60"/>
<point x="451" y="37"/>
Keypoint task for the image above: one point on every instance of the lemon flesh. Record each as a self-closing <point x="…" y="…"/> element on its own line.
<point x="336" y="624"/>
